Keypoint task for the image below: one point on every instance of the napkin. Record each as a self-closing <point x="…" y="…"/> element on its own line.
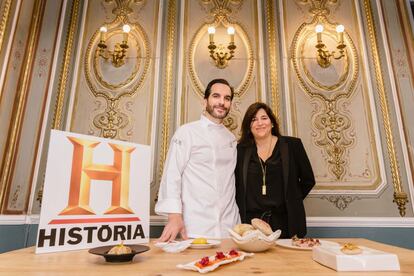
<point x="256" y="234"/>
<point x="174" y="246"/>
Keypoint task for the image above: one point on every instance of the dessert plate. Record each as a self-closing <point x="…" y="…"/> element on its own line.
<point x="209" y="244"/>
<point x="287" y="243"/>
<point x="112" y="258"/>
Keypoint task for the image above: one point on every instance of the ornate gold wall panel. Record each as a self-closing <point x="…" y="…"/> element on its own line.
<point x="31" y="130"/>
<point x="270" y="9"/>
<point x="117" y="101"/>
<point x="168" y="82"/>
<point x="19" y="106"/>
<point x="331" y="94"/>
<point x="65" y="70"/>
<point x="242" y="71"/>
<point x="400" y="197"/>
<point x="4" y="19"/>
<point x="333" y="108"/>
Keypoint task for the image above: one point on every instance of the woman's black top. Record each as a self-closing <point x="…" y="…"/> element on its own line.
<point x="274" y="198"/>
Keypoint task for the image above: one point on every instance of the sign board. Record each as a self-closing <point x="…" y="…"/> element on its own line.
<point x="96" y="192"/>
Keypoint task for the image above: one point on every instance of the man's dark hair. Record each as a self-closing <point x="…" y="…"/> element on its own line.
<point x="211" y="83"/>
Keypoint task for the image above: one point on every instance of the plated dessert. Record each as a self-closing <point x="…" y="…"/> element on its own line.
<point x="120" y="249"/>
<point x="120" y="252"/>
<point x="220" y="256"/>
<point x="351" y="249"/>
<point x="305" y="242"/>
<point x="210" y="263"/>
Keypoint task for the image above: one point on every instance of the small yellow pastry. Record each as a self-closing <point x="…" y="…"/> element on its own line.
<point x="199" y="241"/>
<point x="351" y="249"/>
<point x="120" y="249"/>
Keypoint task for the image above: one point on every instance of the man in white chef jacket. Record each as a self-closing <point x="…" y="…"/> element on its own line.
<point x="197" y="189"/>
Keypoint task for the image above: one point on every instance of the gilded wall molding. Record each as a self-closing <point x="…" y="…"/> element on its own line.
<point x="65" y="70"/>
<point x="400" y="197"/>
<point x="19" y="106"/>
<point x="200" y="33"/>
<point x="168" y="83"/>
<point x="273" y="62"/>
<point x="220" y="13"/>
<point x="332" y="125"/>
<point x="5" y="16"/>
<point x="341" y="201"/>
<point x="130" y="75"/>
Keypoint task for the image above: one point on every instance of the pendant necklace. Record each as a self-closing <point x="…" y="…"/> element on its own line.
<point x="264" y="167"/>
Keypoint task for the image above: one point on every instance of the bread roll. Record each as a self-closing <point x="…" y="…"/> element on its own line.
<point x="262" y="226"/>
<point x="241" y="228"/>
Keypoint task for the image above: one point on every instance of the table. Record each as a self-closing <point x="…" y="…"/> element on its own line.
<point x="276" y="261"/>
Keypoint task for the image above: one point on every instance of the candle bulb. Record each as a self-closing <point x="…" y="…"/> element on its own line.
<point x="319" y="30"/>
<point x="103" y="31"/>
<point x="211" y="31"/>
<point x="126" y="28"/>
<point x="231" y="31"/>
<point x="340" y="29"/>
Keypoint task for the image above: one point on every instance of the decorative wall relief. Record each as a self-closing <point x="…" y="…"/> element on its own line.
<point x="341" y="202"/>
<point x="327" y="85"/>
<point x="337" y="90"/>
<point x="116" y="63"/>
<point x="220" y="19"/>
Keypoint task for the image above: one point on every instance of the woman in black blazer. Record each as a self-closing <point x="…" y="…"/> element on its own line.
<point x="273" y="174"/>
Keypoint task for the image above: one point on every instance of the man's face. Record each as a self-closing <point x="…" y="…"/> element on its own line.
<point x="218" y="103"/>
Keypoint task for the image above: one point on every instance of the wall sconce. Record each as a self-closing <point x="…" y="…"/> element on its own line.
<point x="218" y="53"/>
<point x="323" y="54"/>
<point x="118" y="55"/>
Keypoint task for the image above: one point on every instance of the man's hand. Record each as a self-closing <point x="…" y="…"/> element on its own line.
<point x="174" y="226"/>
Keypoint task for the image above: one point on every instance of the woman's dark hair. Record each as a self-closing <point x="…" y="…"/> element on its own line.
<point x="207" y="92"/>
<point x="246" y="133"/>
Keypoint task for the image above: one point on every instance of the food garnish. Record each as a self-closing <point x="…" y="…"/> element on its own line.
<point x="220" y="256"/>
<point x="305" y="242"/>
<point x="199" y="241"/>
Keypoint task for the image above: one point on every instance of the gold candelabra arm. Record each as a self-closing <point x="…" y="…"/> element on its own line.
<point x="117" y="56"/>
<point x="231" y="48"/>
<point x="323" y="55"/>
<point x="212" y="49"/>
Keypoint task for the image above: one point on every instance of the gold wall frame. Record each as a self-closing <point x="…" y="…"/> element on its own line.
<point x="400" y="197"/>
<point x="19" y="106"/>
<point x="273" y="62"/>
<point x="64" y="72"/>
<point x="333" y="124"/>
<point x="199" y="34"/>
<point x="168" y="83"/>
<point x="111" y="120"/>
<point x="5" y="17"/>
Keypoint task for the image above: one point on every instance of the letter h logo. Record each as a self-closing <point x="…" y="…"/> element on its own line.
<point x="83" y="171"/>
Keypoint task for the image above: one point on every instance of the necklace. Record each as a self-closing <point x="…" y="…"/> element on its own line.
<point x="264" y="167"/>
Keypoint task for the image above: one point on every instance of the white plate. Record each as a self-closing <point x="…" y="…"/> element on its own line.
<point x="210" y="243"/>
<point x="288" y="244"/>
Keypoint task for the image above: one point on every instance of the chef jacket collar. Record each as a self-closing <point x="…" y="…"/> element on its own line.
<point x="208" y="123"/>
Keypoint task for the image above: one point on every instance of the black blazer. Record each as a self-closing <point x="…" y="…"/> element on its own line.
<point x="298" y="180"/>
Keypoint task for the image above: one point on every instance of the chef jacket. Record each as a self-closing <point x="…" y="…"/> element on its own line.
<point x="198" y="179"/>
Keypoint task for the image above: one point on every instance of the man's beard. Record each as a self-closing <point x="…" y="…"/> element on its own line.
<point x="210" y="110"/>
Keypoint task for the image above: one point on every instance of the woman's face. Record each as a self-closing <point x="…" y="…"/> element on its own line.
<point x="261" y="126"/>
